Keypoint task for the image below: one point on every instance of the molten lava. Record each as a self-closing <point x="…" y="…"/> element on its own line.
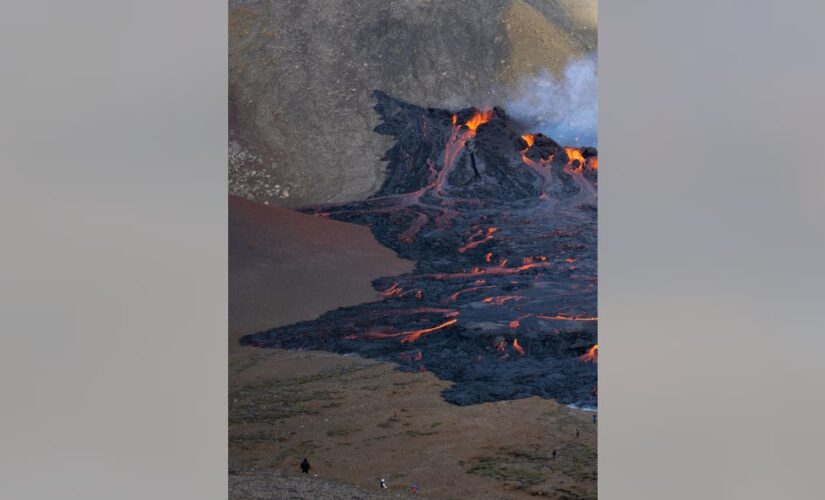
<point x="517" y="347"/>
<point x="568" y="317"/>
<point x="481" y="117"/>
<point x="474" y="243"/>
<point x="413" y="336"/>
<point x="593" y="163"/>
<point x="392" y="291"/>
<point x="592" y="355"/>
<point x="530" y="139"/>
<point x="574" y="154"/>
<point x="502" y="299"/>
<point x="531" y="260"/>
<point x="536" y="165"/>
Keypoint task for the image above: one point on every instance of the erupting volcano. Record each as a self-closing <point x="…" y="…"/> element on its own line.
<point x="502" y="226"/>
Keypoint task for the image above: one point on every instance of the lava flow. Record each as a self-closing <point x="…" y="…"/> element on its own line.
<point x="592" y="355"/>
<point x="502" y="227"/>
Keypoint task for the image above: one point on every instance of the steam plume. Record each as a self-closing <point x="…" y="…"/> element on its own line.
<point x="565" y="109"/>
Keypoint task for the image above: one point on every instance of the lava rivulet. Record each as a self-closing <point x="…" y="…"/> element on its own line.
<point x="592" y="355"/>
<point x="502" y="227"/>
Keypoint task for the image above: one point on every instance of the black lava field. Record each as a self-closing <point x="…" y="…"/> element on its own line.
<point x="502" y="227"/>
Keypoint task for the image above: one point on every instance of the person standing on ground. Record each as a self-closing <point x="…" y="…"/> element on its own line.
<point x="383" y="484"/>
<point x="554" y="454"/>
<point x="305" y="466"/>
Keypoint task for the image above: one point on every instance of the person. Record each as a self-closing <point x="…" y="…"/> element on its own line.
<point x="577" y="433"/>
<point x="554" y="454"/>
<point x="413" y="488"/>
<point x="305" y="466"/>
<point x="594" y="418"/>
<point x="383" y="484"/>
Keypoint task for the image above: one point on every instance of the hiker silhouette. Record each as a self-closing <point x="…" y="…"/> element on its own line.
<point x="305" y="466"/>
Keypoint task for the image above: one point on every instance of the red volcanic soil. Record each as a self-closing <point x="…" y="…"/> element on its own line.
<point x="285" y="266"/>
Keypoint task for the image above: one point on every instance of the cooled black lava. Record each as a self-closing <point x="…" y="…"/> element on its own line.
<point x="502" y="300"/>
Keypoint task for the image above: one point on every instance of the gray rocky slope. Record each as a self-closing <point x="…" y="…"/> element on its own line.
<point x="301" y="76"/>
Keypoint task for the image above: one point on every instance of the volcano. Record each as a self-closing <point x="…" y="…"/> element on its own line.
<point x="502" y="227"/>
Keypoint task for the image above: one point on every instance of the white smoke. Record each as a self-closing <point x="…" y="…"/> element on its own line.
<point x="565" y="109"/>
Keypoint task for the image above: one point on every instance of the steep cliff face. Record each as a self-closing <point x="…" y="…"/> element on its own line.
<point x="301" y="75"/>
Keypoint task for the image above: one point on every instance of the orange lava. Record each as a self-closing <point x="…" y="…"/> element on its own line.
<point x="472" y="244"/>
<point x="530" y="139"/>
<point x="574" y="154"/>
<point x="568" y="317"/>
<point x="517" y="347"/>
<point x="591" y="356"/>
<point x="593" y="163"/>
<point x="392" y="291"/>
<point x="478" y="119"/>
<point x="454" y="297"/>
<point x="484" y="271"/>
<point x="531" y="260"/>
<point x="502" y="299"/>
<point x="537" y="165"/>
<point x="413" y="336"/>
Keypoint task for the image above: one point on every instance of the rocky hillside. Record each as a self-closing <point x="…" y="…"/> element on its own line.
<point x="301" y="76"/>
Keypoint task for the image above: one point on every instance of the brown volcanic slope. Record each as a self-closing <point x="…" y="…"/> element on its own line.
<point x="358" y="420"/>
<point x="301" y="73"/>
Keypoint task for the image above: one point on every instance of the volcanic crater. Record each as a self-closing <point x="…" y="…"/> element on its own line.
<point x="502" y="227"/>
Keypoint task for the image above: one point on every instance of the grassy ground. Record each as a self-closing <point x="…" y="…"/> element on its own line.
<point x="358" y="420"/>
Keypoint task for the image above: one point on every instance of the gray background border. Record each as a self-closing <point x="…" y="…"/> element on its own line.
<point x="710" y="249"/>
<point x="113" y="208"/>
